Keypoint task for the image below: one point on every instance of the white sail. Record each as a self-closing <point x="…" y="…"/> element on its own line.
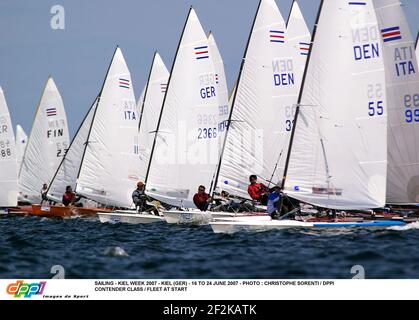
<point x="298" y="38"/>
<point x="186" y="150"/>
<point x="222" y="89"/>
<point x="67" y="172"/>
<point x="110" y="165"/>
<point x="21" y="141"/>
<point x="150" y="104"/>
<point x="262" y="107"/>
<point x="402" y="84"/>
<point x="8" y="163"/>
<point x="339" y="152"/>
<point x="47" y="144"/>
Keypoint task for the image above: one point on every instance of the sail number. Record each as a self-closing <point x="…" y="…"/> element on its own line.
<point x="61" y="152"/>
<point x="207" y="133"/>
<point x="411" y="104"/>
<point x="5" y="150"/>
<point x="375" y="108"/>
<point x="289" y="116"/>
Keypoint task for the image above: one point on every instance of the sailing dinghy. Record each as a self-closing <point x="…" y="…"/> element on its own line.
<point x="8" y="163"/>
<point x="261" y="108"/>
<point x="402" y="90"/>
<point x="187" y="144"/>
<point x="66" y="174"/>
<point x="47" y="144"/>
<point x="149" y="103"/>
<point x="104" y="141"/>
<point x="338" y="151"/>
<point x="109" y="166"/>
<point x="187" y="130"/>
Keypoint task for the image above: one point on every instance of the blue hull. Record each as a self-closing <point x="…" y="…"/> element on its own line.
<point x="383" y="223"/>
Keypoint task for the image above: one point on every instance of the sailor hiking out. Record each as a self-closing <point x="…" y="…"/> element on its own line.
<point x="140" y="199"/>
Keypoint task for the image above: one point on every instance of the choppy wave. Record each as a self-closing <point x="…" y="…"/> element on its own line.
<point x="115" y="252"/>
<point x="409" y="226"/>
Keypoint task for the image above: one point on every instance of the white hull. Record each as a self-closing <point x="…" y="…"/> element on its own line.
<point x="259" y="226"/>
<point x="205" y="217"/>
<point x="3" y="212"/>
<point x="130" y="217"/>
<point x="256" y="226"/>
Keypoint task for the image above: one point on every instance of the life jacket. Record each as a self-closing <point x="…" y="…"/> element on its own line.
<point x="256" y="190"/>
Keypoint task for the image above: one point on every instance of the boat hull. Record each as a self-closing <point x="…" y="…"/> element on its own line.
<point x="63" y="211"/>
<point x="261" y="226"/>
<point x="205" y="217"/>
<point x="127" y="216"/>
<point x="21" y="210"/>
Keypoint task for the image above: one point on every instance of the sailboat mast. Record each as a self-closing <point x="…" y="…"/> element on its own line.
<point x="297" y="110"/>
<point x="215" y="182"/>
<point x="65" y="156"/>
<point x="94" y="115"/>
<point x="164" y="99"/>
<point x="145" y="91"/>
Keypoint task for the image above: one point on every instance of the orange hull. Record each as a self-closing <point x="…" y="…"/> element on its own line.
<point x="63" y="212"/>
<point x="22" y="210"/>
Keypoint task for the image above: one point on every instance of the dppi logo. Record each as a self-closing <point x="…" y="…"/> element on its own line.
<point x="27" y="290"/>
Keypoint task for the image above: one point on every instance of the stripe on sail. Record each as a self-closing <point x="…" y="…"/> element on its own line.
<point x="357" y="3"/>
<point x="277" y="36"/>
<point x="124" y="83"/>
<point x="51" y="112"/>
<point x="391" y="34"/>
<point x="304" y="48"/>
<point x="201" y="52"/>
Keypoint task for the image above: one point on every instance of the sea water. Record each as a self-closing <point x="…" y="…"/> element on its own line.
<point x="85" y="248"/>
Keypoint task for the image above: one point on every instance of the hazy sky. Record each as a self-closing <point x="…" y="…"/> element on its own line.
<point x="78" y="56"/>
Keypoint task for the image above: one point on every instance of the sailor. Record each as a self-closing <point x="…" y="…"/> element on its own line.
<point x="226" y="203"/>
<point x="44" y="192"/>
<point x="257" y="191"/>
<point x="140" y="199"/>
<point x="201" y="199"/>
<point x="69" y="197"/>
<point x="274" y="202"/>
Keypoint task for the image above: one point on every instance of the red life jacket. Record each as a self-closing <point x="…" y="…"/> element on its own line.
<point x="200" y="200"/>
<point x="68" y="198"/>
<point x="256" y="190"/>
